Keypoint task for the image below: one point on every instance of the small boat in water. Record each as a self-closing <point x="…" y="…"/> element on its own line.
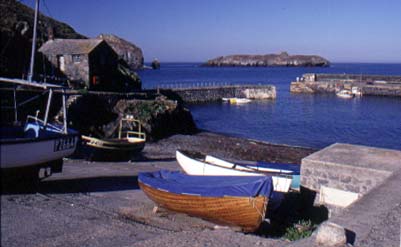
<point x="198" y="164"/>
<point x="236" y="100"/>
<point x="357" y="91"/>
<point x="233" y="201"/>
<point x="124" y="147"/>
<point x="346" y="94"/>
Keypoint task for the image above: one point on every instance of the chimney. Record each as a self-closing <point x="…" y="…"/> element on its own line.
<point x="50" y="33"/>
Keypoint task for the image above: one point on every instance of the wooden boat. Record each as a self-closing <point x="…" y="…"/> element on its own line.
<point x="235" y="100"/>
<point x="38" y="144"/>
<point x="196" y="164"/>
<point x="124" y="147"/>
<point x="346" y="94"/>
<point x="231" y="201"/>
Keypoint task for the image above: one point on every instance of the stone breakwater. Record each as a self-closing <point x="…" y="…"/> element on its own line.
<point x="216" y="93"/>
<point x="379" y="85"/>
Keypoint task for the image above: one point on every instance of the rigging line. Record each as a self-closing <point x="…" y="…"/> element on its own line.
<point x="47" y="9"/>
<point x="44" y="61"/>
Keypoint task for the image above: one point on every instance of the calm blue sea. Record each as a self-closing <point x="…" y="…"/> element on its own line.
<point x="303" y="120"/>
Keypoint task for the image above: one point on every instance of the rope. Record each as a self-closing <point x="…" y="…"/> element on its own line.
<point x="252" y="201"/>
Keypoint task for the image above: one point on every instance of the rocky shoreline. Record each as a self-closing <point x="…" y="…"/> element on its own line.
<point x="227" y="146"/>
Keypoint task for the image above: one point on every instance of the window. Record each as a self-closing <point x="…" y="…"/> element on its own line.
<point x="76" y="58"/>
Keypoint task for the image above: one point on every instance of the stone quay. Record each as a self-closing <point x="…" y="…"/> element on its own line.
<point x="378" y="85"/>
<point x="216" y="93"/>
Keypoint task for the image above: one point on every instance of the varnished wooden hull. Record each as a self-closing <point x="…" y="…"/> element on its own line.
<point x="244" y="212"/>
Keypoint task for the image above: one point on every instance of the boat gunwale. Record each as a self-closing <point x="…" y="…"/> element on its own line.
<point x="110" y="144"/>
<point x="37" y="139"/>
<point x="251" y="170"/>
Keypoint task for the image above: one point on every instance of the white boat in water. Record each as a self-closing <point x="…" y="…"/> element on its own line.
<point x="237" y="100"/>
<point x="357" y="91"/>
<point x="196" y="164"/>
<point x="346" y="94"/>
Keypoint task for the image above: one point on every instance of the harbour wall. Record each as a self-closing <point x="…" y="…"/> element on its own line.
<point x="359" y="188"/>
<point x="379" y="85"/>
<point x="342" y="173"/>
<point x="216" y="93"/>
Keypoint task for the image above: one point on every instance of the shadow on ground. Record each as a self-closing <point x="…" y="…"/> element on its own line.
<point x="296" y="217"/>
<point x="85" y="155"/>
<point x="73" y="185"/>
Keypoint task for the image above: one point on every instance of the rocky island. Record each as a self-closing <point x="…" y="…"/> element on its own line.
<point x="282" y="59"/>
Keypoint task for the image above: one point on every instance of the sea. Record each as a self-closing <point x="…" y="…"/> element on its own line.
<point x="308" y="120"/>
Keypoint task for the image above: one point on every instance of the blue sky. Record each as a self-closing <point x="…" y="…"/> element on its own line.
<point x="197" y="30"/>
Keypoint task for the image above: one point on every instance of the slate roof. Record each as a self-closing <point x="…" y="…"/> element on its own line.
<point x="69" y="46"/>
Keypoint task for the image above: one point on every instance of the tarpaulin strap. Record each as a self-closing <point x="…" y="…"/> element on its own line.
<point x="252" y="201"/>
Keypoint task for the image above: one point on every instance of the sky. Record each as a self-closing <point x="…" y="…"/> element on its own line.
<point x="198" y="30"/>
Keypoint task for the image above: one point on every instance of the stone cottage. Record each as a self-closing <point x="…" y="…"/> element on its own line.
<point x="85" y="62"/>
<point x="127" y="51"/>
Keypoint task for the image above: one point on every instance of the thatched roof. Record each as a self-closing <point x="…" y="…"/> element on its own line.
<point x="69" y="46"/>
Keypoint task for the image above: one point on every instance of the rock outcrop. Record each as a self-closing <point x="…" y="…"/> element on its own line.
<point x="282" y="59"/>
<point x="99" y="116"/>
<point x="155" y="64"/>
<point x="16" y="26"/>
<point x="127" y="51"/>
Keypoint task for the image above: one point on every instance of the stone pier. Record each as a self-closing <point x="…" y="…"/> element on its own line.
<point x="216" y="93"/>
<point x="379" y="85"/>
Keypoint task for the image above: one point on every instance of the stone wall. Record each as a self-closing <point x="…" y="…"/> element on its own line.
<point x="347" y="169"/>
<point x="216" y="93"/>
<point x="339" y="176"/>
<point x="356" y="78"/>
<point x="313" y="87"/>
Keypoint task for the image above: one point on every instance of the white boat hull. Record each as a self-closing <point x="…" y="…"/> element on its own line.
<point x="197" y="167"/>
<point x="236" y="100"/>
<point x="31" y="153"/>
<point x="345" y="94"/>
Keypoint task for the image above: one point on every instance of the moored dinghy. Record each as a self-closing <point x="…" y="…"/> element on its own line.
<point x="233" y="201"/>
<point x="195" y="164"/>
<point x="235" y="100"/>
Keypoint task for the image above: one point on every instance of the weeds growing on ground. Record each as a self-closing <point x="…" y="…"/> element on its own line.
<point x="302" y="229"/>
<point x="296" y="218"/>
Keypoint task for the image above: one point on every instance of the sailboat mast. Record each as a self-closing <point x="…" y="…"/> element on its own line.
<point x="30" y="75"/>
